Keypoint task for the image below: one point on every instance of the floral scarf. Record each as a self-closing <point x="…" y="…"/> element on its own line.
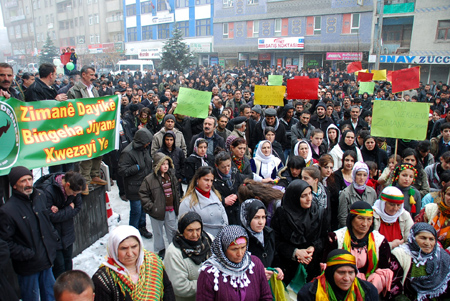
<point x="239" y="163"/>
<point x="441" y="222"/>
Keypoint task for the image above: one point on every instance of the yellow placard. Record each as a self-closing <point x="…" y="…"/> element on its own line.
<point x="269" y="95"/>
<point x="379" y="74"/>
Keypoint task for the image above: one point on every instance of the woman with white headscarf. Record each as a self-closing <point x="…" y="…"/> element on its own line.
<point x="303" y="149"/>
<point x="131" y="272"/>
<point x="265" y="165"/>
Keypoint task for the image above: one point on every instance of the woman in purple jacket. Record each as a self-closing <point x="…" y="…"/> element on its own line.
<point x="231" y="273"/>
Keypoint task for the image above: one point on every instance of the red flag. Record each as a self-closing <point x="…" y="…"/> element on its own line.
<point x="405" y="79"/>
<point x="365" y="77"/>
<point x="389" y="76"/>
<point x="301" y="77"/>
<point x="302" y="88"/>
<point x="355" y="66"/>
<point x="65" y="58"/>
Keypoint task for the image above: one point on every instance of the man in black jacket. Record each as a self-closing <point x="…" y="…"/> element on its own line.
<point x="208" y="133"/>
<point x="63" y="192"/>
<point x="42" y="88"/>
<point x="135" y="164"/>
<point x="25" y="225"/>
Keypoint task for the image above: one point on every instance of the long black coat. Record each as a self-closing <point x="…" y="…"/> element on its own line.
<point x="63" y="219"/>
<point x="25" y="225"/>
<point x="265" y="253"/>
<point x="233" y="211"/>
<point x="39" y="91"/>
<point x="135" y="163"/>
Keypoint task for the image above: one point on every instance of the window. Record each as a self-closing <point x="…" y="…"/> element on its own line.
<point x="355" y="23"/>
<point x="181" y="3"/>
<point x="91" y="39"/>
<point x="75" y="21"/>
<point x="317" y="25"/>
<point x="147" y="33"/>
<point x="277" y="30"/>
<point x="163" y="31"/>
<point x="97" y="39"/>
<point x="45" y="3"/>
<point x="27" y="9"/>
<point x="131" y="10"/>
<point x="443" y="30"/>
<point x="146" y="7"/>
<point x="91" y="20"/>
<point x="228" y="3"/>
<point x="132" y="34"/>
<point x="62" y="25"/>
<point x="81" y="21"/>
<point x="162" y="5"/>
<point x="96" y="19"/>
<point x="200" y="2"/>
<point x="47" y="19"/>
<point x="252" y="2"/>
<point x="34" y="4"/>
<point x="203" y="27"/>
<point x="255" y="29"/>
<point x="184" y="27"/>
<point x="25" y="29"/>
<point x="54" y="35"/>
<point x="225" y="30"/>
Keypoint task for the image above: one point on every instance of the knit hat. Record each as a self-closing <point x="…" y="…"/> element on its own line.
<point x="257" y="109"/>
<point x="16" y="173"/>
<point x="230" y="140"/>
<point x="321" y="104"/>
<point x="163" y="99"/>
<point x="393" y="195"/>
<point x="270" y="112"/>
<point x="167" y="117"/>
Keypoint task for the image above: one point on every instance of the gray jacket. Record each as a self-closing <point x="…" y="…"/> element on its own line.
<point x="348" y="196"/>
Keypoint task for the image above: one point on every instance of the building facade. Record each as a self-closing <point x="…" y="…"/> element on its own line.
<point x="288" y="33"/>
<point x="416" y="33"/>
<point x="147" y="24"/>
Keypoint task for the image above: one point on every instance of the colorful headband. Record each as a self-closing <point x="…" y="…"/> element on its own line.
<point x="401" y="168"/>
<point x="396" y="199"/>
<point x="342" y="259"/>
<point x="362" y="212"/>
<point x="238" y="241"/>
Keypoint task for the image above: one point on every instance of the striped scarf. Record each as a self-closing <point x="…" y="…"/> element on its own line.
<point x="325" y="292"/>
<point x="150" y="284"/>
<point x="371" y="251"/>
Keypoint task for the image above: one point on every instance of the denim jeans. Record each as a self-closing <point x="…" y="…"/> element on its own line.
<point x="137" y="215"/>
<point x="37" y="285"/>
<point x="63" y="261"/>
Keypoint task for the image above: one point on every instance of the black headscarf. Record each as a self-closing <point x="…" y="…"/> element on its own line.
<point x="343" y="145"/>
<point x="305" y="222"/>
<point x="371" y="155"/>
<point x="248" y="210"/>
<point x="330" y="270"/>
<point x="198" y="251"/>
<point x="358" y="243"/>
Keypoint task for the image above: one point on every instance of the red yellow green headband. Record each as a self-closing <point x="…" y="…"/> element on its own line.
<point x="342" y="259"/>
<point x="362" y="212"/>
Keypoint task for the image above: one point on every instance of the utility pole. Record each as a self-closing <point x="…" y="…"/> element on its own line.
<point x="379" y="36"/>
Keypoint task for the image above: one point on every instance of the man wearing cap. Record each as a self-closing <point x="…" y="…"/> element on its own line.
<point x="320" y="120"/>
<point x="339" y="281"/>
<point x="26" y="227"/>
<point x="256" y="113"/>
<point x="169" y="125"/>
<point x="270" y="119"/>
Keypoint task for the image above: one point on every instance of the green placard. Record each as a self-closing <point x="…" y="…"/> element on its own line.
<point x="43" y="133"/>
<point x="402" y="120"/>
<point x="366" y="87"/>
<point x="193" y="103"/>
<point x="275" y="80"/>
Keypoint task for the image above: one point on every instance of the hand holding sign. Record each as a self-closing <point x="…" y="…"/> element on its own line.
<point x="265" y="95"/>
<point x="193" y="103"/>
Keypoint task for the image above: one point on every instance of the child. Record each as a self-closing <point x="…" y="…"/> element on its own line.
<point x="386" y="175"/>
<point x="439" y="144"/>
<point x="168" y="148"/>
<point x="404" y="176"/>
<point x="160" y="199"/>
<point x="373" y="172"/>
<point x="317" y="147"/>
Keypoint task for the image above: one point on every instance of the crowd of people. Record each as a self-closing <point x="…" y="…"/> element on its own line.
<point x="299" y="200"/>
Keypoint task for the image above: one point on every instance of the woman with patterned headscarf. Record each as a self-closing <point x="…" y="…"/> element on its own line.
<point x="357" y="191"/>
<point x="404" y="177"/>
<point x="131" y="273"/>
<point x="197" y="159"/>
<point x="370" y="248"/>
<point x="339" y="281"/>
<point x="421" y="267"/>
<point x="232" y="273"/>
<point x="190" y="247"/>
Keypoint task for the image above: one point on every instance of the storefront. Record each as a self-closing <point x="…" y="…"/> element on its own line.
<point x="431" y="67"/>
<point x="339" y="60"/>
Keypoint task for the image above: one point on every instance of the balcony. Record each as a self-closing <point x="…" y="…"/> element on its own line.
<point x="398" y="8"/>
<point x="115" y="26"/>
<point x="113" y="6"/>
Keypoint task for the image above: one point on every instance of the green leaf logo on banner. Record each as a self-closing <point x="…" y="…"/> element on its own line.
<point x="275" y="80"/>
<point x="193" y="103"/>
<point x="9" y="136"/>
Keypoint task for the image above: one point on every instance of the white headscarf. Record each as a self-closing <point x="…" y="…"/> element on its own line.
<point x="309" y="156"/>
<point x="360" y="166"/>
<point x="380" y="204"/>
<point x="116" y="236"/>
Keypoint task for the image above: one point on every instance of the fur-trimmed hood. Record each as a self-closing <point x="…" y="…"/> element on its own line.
<point x="158" y="160"/>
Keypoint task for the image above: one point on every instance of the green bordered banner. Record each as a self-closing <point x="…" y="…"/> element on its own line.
<point x="44" y="133"/>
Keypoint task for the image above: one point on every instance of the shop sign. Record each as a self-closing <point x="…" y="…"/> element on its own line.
<point x="264" y="57"/>
<point x="344" y="56"/>
<point x="282" y="43"/>
<point x="163" y="19"/>
<point x="150" y="53"/>
<point x="243" y="57"/>
<point x="415" y="59"/>
<point x="200" y="47"/>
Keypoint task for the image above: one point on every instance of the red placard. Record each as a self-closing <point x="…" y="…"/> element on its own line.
<point x="302" y="88"/>
<point x="365" y="77"/>
<point x="355" y="66"/>
<point x="405" y="79"/>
